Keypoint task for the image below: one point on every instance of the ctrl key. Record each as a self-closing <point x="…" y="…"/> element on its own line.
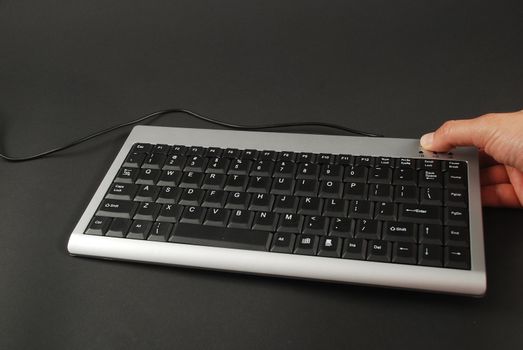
<point x="98" y="226"/>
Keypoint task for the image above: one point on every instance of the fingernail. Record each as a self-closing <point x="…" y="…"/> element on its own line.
<point x="426" y="140"/>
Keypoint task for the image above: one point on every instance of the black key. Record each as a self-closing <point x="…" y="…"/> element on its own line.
<point x="147" y="193"/>
<point x="169" y="194"/>
<point x="316" y="225"/>
<point x="284" y="169"/>
<point x="456" y="198"/>
<point x="238" y="200"/>
<point x="361" y="209"/>
<point x="160" y="231"/>
<point x="455" y="216"/>
<point x="191" y="196"/>
<point x="369" y="229"/>
<point x="119" y="228"/>
<point x="249" y="154"/>
<point x="455" y="166"/>
<point x="127" y="175"/>
<point x="404" y="253"/>
<point x="406" y="194"/>
<point x="379" y="251"/>
<point x="232" y="153"/>
<point x="221" y="237"/>
<point x="267" y="155"/>
<point x="217" y="217"/>
<point x="148" y="176"/>
<point x="331" y="189"/>
<point x="457" y="258"/>
<point x="196" y="164"/>
<point x="154" y="161"/>
<point x="214" y="199"/>
<point x="385" y="162"/>
<point x="380" y="175"/>
<point x="217" y="165"/>
<point x="117" y="209"/>
<point x="170" y="178"/>
<point x="356" y="190"/>
<point x="286" y="204"/>
<point x="386" y="211"/>
<point x="325" y="158"/>
<point x="122" y="191"/>
<point x="259" y="184"/>
<point x="455" y="179"/>
<point x="430" y="255"/>
<point x="261" y="202"/>
<point x="406" y="163"/>
<point x="355" y="248"/>
<point x="262" y="168"/>
<point x="431" y="196"/>
<point x="356" y="174"/>
<point x="336" y="207"/>
<point x="364" y="161"/>
<point x="142" y="148"/>
<point x="147" y="211"/>
<point x="191" y="179"/>
<point x="306" y="245"/>
<point x="265" y="221"/>
<point x="282" y="185"/>
<point x="213" y="152"/>
<point x="457" y="236"/>
<point x="331" y="172"/>
<point x="98" y="226"/>
<point x="283" y="242"/>
<point x="236" y="183"/>
<point x="193" y="215"/>
<point x="344" y="159"/>
<point x="290" y="223"/>
<point x="214" y="181"/>
<point x="134" y="160"/>
<point x="175" y="162"/>
<point x="330" y="247"/>
<point x="308" y="171"/>
<point x="342" y="227"/>
<point x="306" y="187"/>
<point x="400" y="232"/>
<point x="379" y="192"/>
<point x="429" y="164"/>
<point x="287" y="156"/>
<point x="195" y="151"/>
<point x="241" y="218"/>
<point x="162" y="149"/>
<point x="430" y="234"/>
<point x="310" y="206"/>
<point x="305" y="158"/>
<point x="430" y="178"/>
<point x="423" y="214"/>
<point x="404" y="176"/>
<point x="177" y="149"/>
<point x="139" y="229"/>
<point x="240" y="167"/>
<point x="169" y="213"/>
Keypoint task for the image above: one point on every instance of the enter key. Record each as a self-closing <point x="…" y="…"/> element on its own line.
<point x="423" y="214"/>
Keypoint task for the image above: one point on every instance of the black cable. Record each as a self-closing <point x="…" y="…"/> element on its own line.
<point x="193" y="114"/>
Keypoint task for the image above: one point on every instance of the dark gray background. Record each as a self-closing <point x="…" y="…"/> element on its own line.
<point x="395" y="67"/>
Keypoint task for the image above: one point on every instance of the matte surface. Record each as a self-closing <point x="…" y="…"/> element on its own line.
<point x="396" y="67"/>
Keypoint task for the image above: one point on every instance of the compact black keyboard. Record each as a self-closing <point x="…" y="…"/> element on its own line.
<point x="374" y="208"/>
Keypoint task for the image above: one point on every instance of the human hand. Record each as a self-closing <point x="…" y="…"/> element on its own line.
<point x="499" y="137"/>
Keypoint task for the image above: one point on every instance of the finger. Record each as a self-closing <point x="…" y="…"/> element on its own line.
<point x="516" y="179"/>
<point x="485" y="160"/>
<point x="501" y="195"/>
<point x="493" y="175"/>
<point x="469" y="132"/>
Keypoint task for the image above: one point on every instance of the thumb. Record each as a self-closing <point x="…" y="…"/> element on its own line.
<point x="469" y="132"/>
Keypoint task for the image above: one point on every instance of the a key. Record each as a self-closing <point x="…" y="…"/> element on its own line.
<point x="331" y="189"/>
<point x="405" y="163"/>
<point x="283" y="242"/>
<point x="379" y="251"/>
<point x="148" y="176"/>
<point x="305" y="158"/>
<point x="368" y="229"/>
<point x="268" y="155"/>
<point x="231" y="153"/>
<point x="122" y="191"/>
<point x="117" y="208"/>
<point x="259" y="184"/>
<point x="335" y="207"/>
<point x="119" y="228"/>
<point x="356" y="174"/>
<point x="214" y="199"/>
<point x="265" y="221"/>
<point x="286" y="204"/>
<point x="429" y="164"/>
<point x="455" y="216"/>
<point x="404" y="253"/>
<point x="456" y="236"/>
<point x="236" y="183"/>
<point x="282" y="185"/>
<point x="457" y="258"/>
<point x="330" y="247"/>
<point x="308" y="171"/>
<point x="287" y="156"/>
<point x="147" y="211"/>
<point x="355" y="248"/>
<point x="310" y="206"/>
<point x="147" y="193"/>
<point x="127" y="175"/>
<point x="154" y="161"/>
<point x="385" y="162"/>
<point x="455" y="179"/>
<point x="169" y="213"/>
<point x="160" y="231"/>
<point x="431" y="196"/>
<point x="170" y="178"/>
<point x="380" y="175"/>
<point x="306" y="187"/>
<point x="217" y="217"/>
<point x="239" y="167"/>
<point x="380" y="192"/>
<point x="237" y="200"/>
<point x="316" y="225"/>
<point x="423" y="214"/>
<point x="361" y="209"/>
<point x="430" y="255"/>
<point x="191" y="196"/>
<point x="213" y="152"/>
<point x="249" y="154"/>
<point x="217" y="165"/>
<point x="290" y="223"/>
<point x="142" y="148"/>
<point x="325" y="158"/>
<point x="306" y="245"/>
<point x="364" y="161"/>
<point x="406" y="194"/>
<point x="430" y="178"/>
<point x="385" y="211"/>
<point x="178" y="149"/>
<point x="430" y="234"/>
<point x="169" y="194"/>
<point x="356" y="190"/>
<point x="191" y="179"/>
<point x="174" y="162"/>
<point x="98" y="226"/>
<point x="214" y="182"/>
<point x="139" y="229"/>
<point x="331" y="172"/>
<point x="344" y="159"/>
<point x="195" y="151"/>
<point x="284" y="169"/>
<point x="134" y="160"/>
<point x="400" y="232"/>
<point x="241" y="218"/>
<point x="261" y="202"/>
<point x="456" y="198"/>
<point x="342" y="227"/>
<point x="262" y="168"/>
<point x="193" y="215"/>
<point x="195" y="163"/>
<point x="404" y="176"/>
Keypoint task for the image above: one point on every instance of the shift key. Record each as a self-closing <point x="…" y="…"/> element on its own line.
<point x="117" y="209"/>
<point x="423" y="214"/>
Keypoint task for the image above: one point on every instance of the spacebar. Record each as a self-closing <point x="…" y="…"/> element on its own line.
<point x="221" y="237"/>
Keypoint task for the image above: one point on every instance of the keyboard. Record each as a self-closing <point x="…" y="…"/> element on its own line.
<point x="369" y="211"/>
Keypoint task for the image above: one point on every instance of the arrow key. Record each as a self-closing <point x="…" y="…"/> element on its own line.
<point x="404" y="253"/>
<point x="457" y="258"/>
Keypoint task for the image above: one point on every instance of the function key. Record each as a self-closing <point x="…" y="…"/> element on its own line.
<point x="141" y="148"/>
<point x="325" y="158"/>
<point x="250" y="154"/>
<point x="385" y="162"/>
<point x="405" y="163"/>
<point x="213" y="152"/>
<point x="287" y="156"/>
<point x="364" y="161"/>
<point x="162" y="149"/>
<point x="195" y="151"/>
<point x="305" y="157"/>
<point x="231" y="153"/>
<point x="428" y="164"/>
<point x="267" y="155"/>
<point x="177" y="149"/>
<point x="344" y="159"/>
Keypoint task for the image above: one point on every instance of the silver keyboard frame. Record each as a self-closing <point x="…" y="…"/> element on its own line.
<point x="466" y="282"/>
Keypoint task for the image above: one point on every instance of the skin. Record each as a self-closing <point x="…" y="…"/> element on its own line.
<point x="499" y="137"/>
